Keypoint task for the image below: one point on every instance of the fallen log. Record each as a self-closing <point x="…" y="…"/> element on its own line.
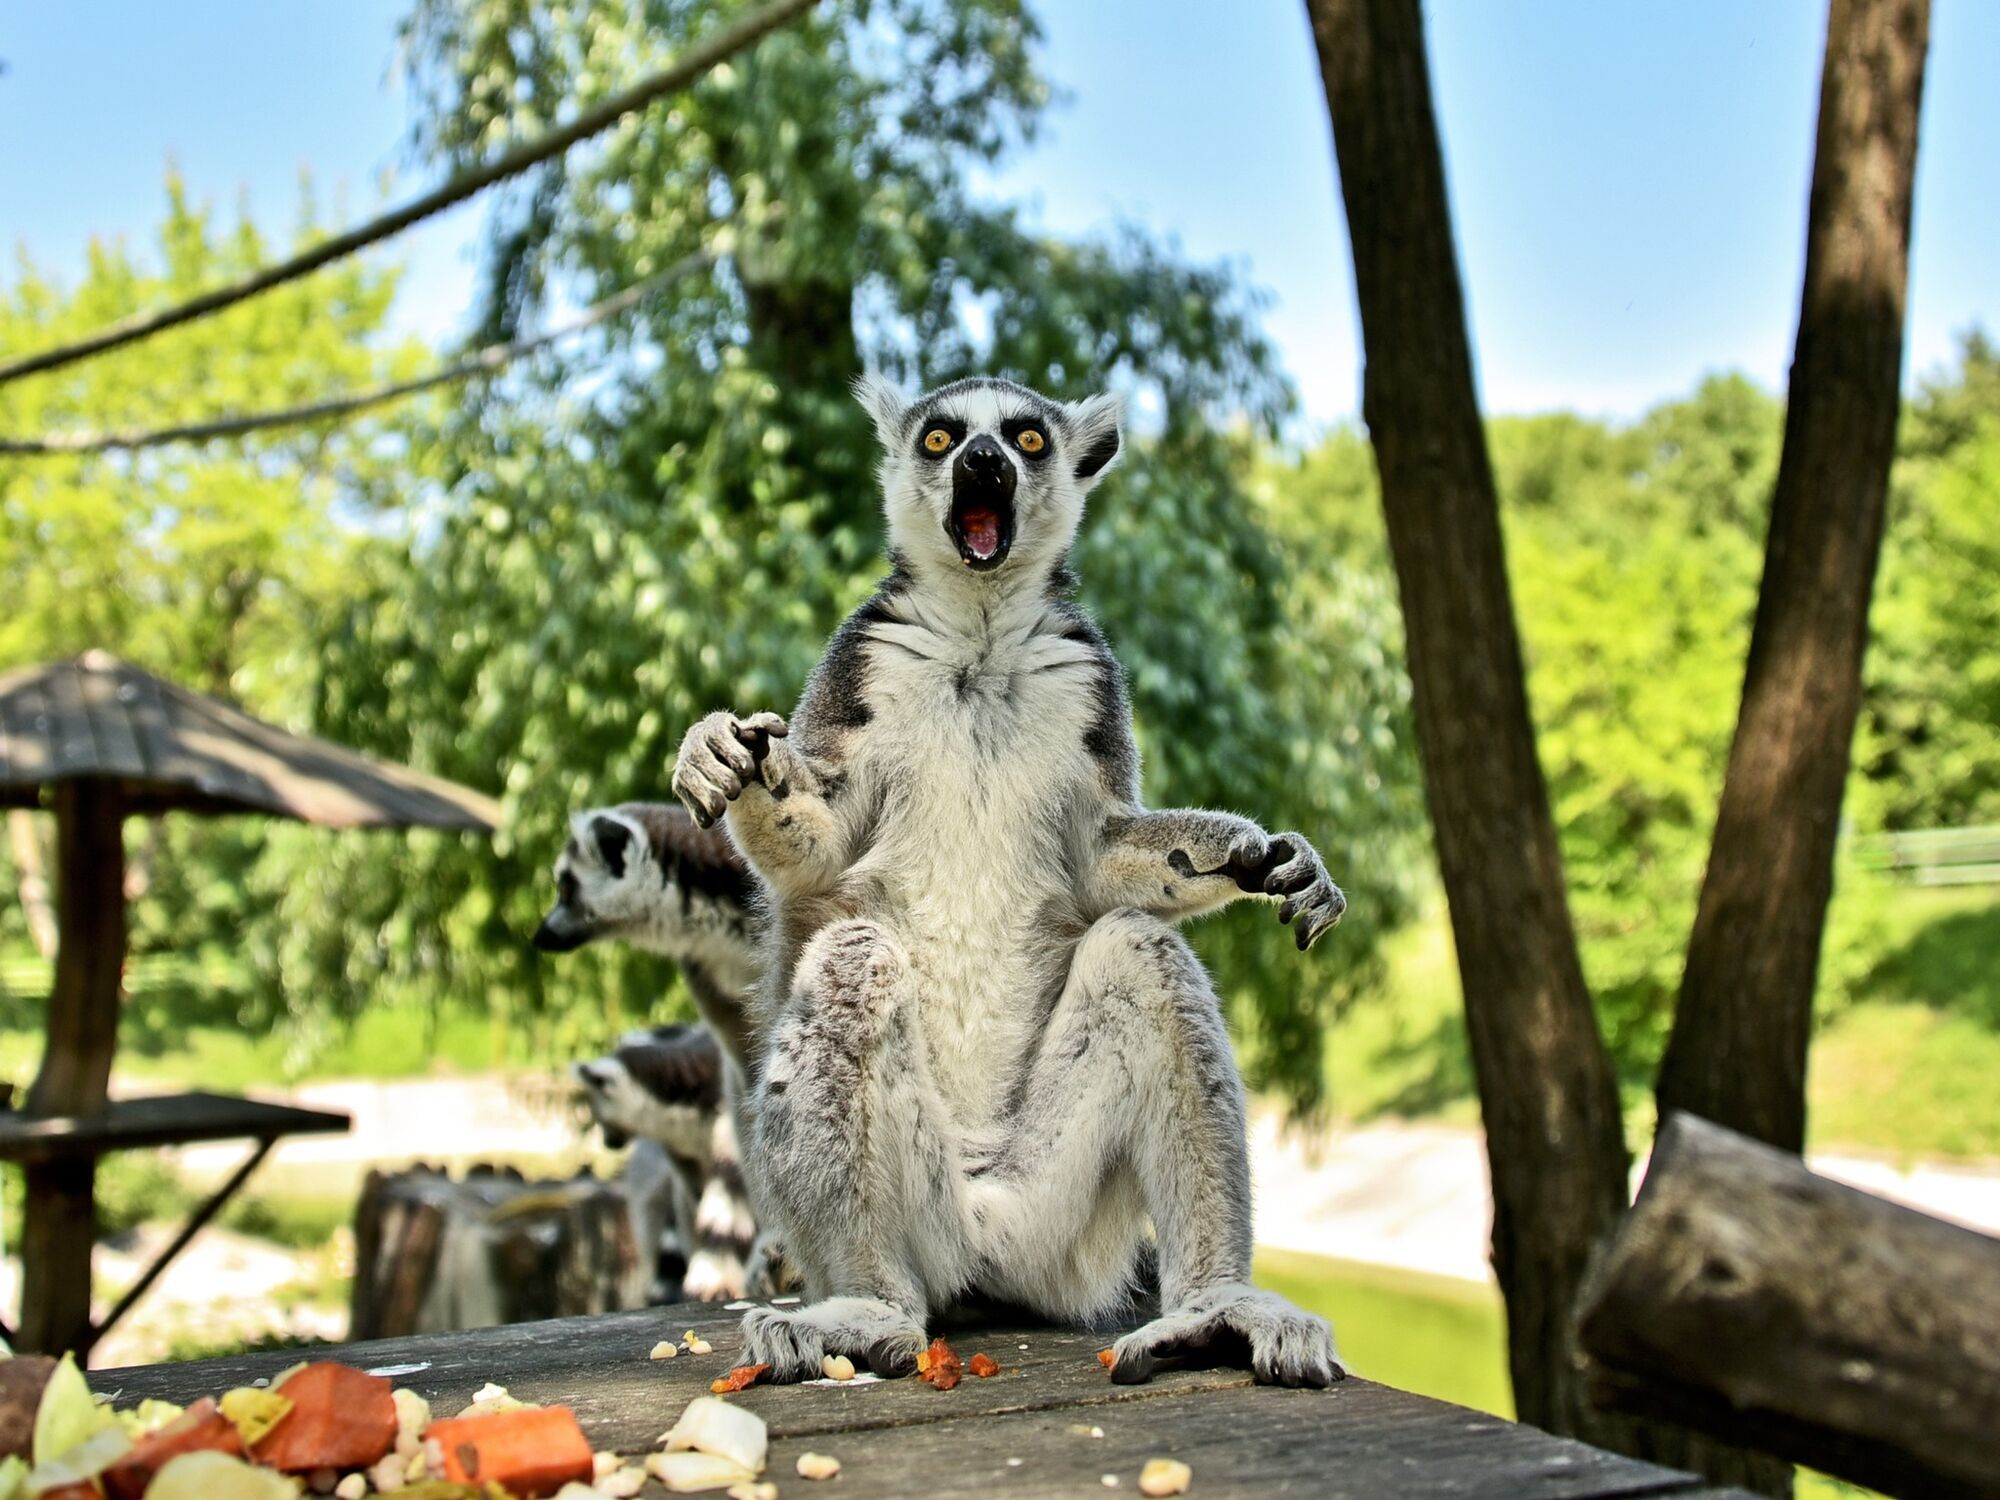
<point x="1750" y="1298"/>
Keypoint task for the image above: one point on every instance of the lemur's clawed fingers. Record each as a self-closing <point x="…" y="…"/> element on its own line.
<point x="765" y="723"/>
<point x="712" y="768"/>
<point x="1296" y="873"/>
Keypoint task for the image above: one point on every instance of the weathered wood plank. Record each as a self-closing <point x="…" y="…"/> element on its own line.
<point x="1749" y="1297"/>
<point x="901" y="1437"/>
<point x="157" y="1120"/>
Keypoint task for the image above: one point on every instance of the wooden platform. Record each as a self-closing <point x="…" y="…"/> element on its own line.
<point x="1358" y="1441"/>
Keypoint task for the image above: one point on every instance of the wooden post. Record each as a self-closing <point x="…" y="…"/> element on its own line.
<point x="1748" y="1297"/>
<point x="60" y="1226"/>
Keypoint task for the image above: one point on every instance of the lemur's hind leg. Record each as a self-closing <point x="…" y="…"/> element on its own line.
<point x="852" y="1160"/>
<point x="1134" y="1075"/>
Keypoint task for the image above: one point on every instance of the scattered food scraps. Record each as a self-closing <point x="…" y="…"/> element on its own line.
<point x="818" y="1466"/>
<point x="665" y="1349"/>
<point x="740" y="1378"/>
<point x="711" y="1425"/>
<point x="749" y="1491"/>
<point x="1164" y="1476"/>
<point x="938" y="1366"/>
<point x="1106" y="1358"/>
<point x="836" y="1367"/>
<point x="1109" y="1481"/>
<point x="984" y="1366"/>
<point x="687" y="1473"/>
<point x="528" y="1451"/>
<point x="622" y="1484"/>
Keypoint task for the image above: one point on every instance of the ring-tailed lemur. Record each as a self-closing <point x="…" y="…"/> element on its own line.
<point x="664" y="1086"/>
<point x="645" y="874"/>
<point x="988" y="1058"/>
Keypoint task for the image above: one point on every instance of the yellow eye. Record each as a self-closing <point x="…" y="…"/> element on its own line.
<point x="1030" y="441"/>
<point x="937" y="440"/>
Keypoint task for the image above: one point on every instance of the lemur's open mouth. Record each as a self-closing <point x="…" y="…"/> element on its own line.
<point x="981" y="524"/>
<point x="982" y="530"/>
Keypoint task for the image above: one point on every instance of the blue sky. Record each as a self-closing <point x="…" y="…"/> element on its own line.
<point x="1629" y="179"/>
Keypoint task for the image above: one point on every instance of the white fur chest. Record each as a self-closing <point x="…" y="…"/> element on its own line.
<point x="974" y="755"/>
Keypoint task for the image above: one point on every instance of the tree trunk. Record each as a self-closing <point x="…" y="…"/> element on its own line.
<point x="1738" y="1050"/>
<point x="1553" y="1132"/>
<point x="1746" y="1295"/>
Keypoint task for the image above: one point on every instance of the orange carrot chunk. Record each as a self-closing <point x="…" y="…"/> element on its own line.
<point x="341" y="1418"/>
<point x="985" y="1366"/>
<point x="938" y="1366"/>
<point x="201" y="1427"/>
<point x="740" y="1378"/>
<point x="1106" y="1358"/>
<point x="529" y="1451"/>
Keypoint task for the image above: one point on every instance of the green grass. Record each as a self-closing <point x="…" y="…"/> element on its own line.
<point x="1429" y="1334"/>
<point x="172" y="1041"/>
<point x="1905" y="1066"/>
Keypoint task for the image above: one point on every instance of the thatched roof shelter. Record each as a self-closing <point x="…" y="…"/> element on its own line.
<point x="97" y="740"/>
<point x="163" y="748"/>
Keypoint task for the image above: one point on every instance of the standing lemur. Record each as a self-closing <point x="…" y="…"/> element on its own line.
<point x="643" y="873"/>
<point x="987" y="1058"/>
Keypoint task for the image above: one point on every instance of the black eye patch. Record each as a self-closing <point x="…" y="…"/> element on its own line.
<point x="1028" y="436"/>
<point x="929" y="425"/>
<point x="566" y="887"/>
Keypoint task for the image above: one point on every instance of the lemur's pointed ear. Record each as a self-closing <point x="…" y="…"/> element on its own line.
<point x="883" y="403"/>
<point x="1093" y="435"/>
<point x="613" y="840"/>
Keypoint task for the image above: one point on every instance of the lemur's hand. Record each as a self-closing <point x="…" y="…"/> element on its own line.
<point x="1286" y="866"/>
<point x="721" y="756"/>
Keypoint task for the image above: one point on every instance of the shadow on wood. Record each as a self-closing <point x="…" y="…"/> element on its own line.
<point x="1750" y="1298"/>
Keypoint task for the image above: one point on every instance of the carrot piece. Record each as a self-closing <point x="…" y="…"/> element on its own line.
<point x="1106" y="1358"/>
<point x="341" y="1418"/>
<point x="985" y="1366"/>
<point x="738" y="1379"/>
<point x="201" y="1428"/>
<point x="529" y="1451"/>
<point x="941" y="1367"/>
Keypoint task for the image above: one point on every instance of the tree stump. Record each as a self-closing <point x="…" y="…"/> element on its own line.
<point x="434" y="1254"/>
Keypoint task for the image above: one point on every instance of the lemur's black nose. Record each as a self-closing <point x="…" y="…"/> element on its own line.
<point x="982" y="456"/>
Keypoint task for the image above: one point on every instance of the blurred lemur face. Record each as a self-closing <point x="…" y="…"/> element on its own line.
<point x="984" y="475"/>
<point x="606" y="881"/>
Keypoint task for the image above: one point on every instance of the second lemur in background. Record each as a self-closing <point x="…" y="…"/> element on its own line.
<point x="644" y="874"/>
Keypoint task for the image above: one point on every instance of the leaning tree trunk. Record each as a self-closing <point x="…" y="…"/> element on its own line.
<point x="1738" y="1050"/>
<point x="1553" y="1132"/>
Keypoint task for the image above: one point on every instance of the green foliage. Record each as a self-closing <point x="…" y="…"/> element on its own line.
<point x="598" y="570"/>
<point x="1929" y="747"/>
<point x="1635" y="554"/>
<point x="198" y="563"/>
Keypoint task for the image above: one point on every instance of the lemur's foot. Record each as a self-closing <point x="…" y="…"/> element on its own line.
<point x="719" y="757"/>
<point x="769" y="1271"/>
<point x="1234" y="1324"/>
<point x="793" y="1341"/>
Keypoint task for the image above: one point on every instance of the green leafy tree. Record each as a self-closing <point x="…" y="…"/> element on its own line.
<point x="199" y="563"/>
<point x="674" y="517"/>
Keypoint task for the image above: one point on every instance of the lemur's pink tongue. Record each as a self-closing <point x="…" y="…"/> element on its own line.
<point x="981" y="529"/>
